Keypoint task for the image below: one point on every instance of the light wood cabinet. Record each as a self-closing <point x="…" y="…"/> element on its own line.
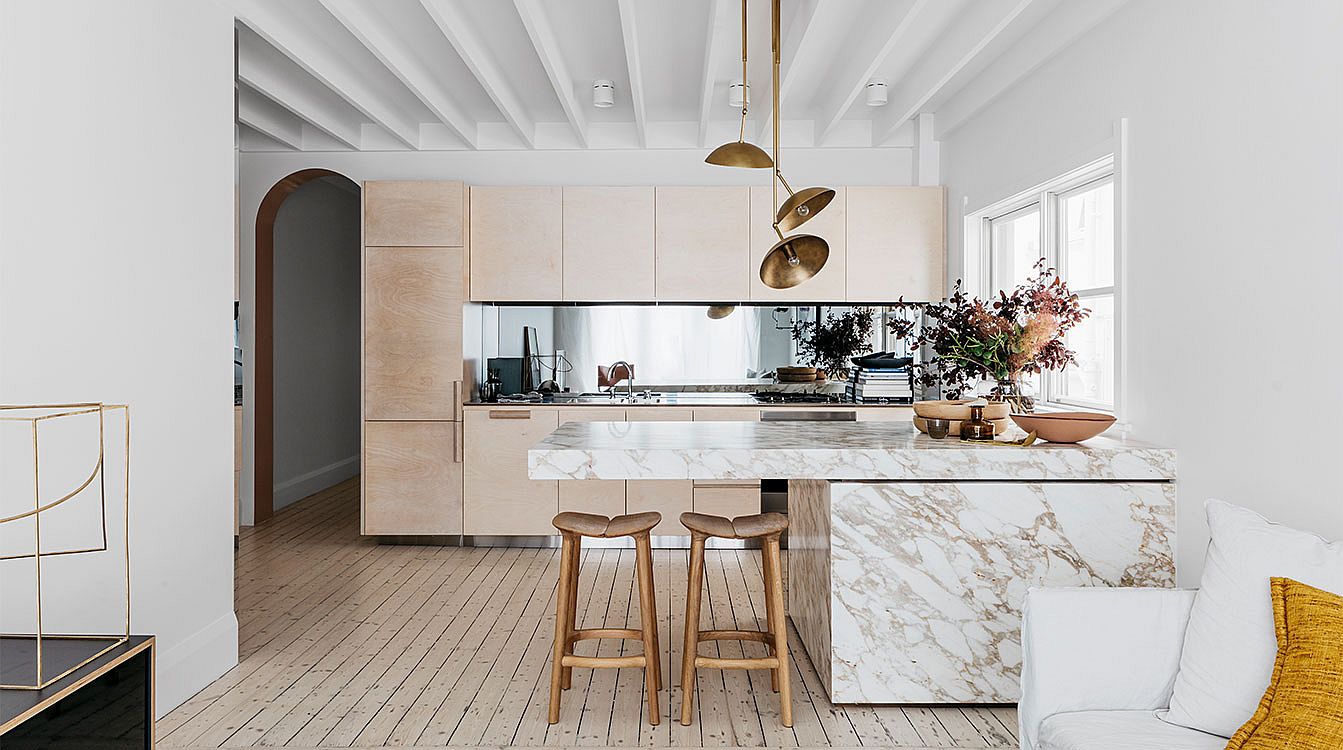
<point x="403" y="213"/>
<point x="727" y="500"/>
<point x="412" y="478"/>
<point x="670" y="497"/>
<point x="604" y="496"/>
<point x="896" y="244"/>
<point x="829" y="225"/>
<point x="517" y="244"/>
<point x="608" y="244"/>
<point x="500" y="499"/>
<point x="413" y="332"/>
<point x="747" y="486"/>
<point x="885" y="413"/>
<point x="702" y="244"/>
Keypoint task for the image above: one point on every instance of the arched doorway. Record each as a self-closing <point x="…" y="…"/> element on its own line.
<point x="262" y="357"/>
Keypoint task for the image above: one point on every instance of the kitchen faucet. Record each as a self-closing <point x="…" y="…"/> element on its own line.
<point x="612" y="377"/>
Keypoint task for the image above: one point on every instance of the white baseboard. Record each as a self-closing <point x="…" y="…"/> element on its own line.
<point x="183" y="670"/>
<point x="293" y="490"/>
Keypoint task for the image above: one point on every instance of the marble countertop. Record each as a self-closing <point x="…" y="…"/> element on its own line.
<point x="686" y="398"/>
<point x="827" y="450"/>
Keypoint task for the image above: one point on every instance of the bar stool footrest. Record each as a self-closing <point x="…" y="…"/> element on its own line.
<point x="737" y="635"/>
<point x="588" y="634"/>
<point x="601" y="662"/>
<point x="712" y="662"/>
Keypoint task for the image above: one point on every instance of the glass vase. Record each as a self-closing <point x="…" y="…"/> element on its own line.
<point x="1015" y="393"/>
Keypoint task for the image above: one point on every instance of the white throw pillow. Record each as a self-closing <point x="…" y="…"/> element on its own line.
<point x="1229" y="646"/>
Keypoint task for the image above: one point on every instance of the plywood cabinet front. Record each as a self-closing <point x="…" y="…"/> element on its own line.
<point x="829" y="225"/>
<point x="608" y="244"/>
<point x="517" y="244"/>
<point x="604" y="496"/>
<point x="412" y="480"/>
<point x="671" y="497"/>
<point x="896" y="244"/>
<point x="406" y="213"/>
<point x="703" y="244"/>
<point x="500" y="499"/>
<point x="412" y="332"/>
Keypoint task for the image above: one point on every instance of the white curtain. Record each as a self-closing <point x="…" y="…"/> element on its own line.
<point x="666" y="344"/>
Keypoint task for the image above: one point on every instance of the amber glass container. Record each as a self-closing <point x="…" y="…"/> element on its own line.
<point x="977" y="428"/>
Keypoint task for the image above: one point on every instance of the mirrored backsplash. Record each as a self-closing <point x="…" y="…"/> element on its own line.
<point x="670" y="347"/>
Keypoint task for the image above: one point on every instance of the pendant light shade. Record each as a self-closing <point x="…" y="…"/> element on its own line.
<point x="801" y="206"/>
<point x="739" y="153"/>
<point x="718" y="312"/>
<point x="793" y="260"/>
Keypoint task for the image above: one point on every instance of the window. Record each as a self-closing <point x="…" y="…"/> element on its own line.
<point x="1070" y="222"/>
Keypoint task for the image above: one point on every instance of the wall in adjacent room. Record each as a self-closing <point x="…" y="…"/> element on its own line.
<point x="1234" y="264"/>
<point x="116" y="234"/>
<point x="317" y="231"/>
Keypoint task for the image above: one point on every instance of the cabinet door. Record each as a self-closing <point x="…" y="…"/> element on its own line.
<point x="896" y="244"/>
<point x="703" y="244"/>
<point x="412" y="332"/>
<point x="670" y="497"/>
<point x="608" y="244"/>
<point x="604" y="496"/>
<point x="517" y="244"/>
<point x="727" y="500"/>
<point x="500" y="499"/>
<point x="413" y="213"/>
<point x="829" y="225"/>
<point x="412" y="479"/>
<point x="726" y="414"/>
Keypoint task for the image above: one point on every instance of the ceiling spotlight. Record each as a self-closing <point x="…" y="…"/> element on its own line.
<point x="603" y="93"/>
<point x="739" y="94"/>
<point x="876" y="93"/>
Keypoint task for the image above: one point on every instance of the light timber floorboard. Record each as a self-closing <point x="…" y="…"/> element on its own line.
<point x="348" y="643"/>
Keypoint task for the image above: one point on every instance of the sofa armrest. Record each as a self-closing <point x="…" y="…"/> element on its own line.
<point x="1098" y="649"/>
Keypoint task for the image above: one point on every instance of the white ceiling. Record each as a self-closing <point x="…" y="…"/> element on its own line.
<point x="374" y="75"/>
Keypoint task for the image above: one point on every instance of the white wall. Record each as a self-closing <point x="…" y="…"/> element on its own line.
<point x="317" y="250"/>
<point x="258" y="172"/>
<point x="116" y="230"/>
<point x="1235" y="233"/>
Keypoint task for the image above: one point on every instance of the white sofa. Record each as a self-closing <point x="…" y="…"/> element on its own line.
<point x="1098" y="666"/>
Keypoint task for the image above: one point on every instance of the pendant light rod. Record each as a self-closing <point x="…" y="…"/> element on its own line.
<point x="774" y="105"/>
<point x="739" y="153"/>
<point x="745" y="86"/>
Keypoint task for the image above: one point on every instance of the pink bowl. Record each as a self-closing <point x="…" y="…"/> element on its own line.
<point x="1065" y="426"/>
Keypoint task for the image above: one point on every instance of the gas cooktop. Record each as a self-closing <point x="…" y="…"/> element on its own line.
<point x="785" y="397"/>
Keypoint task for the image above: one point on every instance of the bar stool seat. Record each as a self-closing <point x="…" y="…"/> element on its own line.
<point x="573" y="527"/>
<point x="767" y="527"/>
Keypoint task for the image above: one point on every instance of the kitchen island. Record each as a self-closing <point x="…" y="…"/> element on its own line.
<point x="909" y="557"/>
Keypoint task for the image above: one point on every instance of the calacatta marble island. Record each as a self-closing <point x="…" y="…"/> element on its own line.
<point x="909" y="557"/>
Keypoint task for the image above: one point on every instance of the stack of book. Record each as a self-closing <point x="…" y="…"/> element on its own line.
<point x="868" y="385"/>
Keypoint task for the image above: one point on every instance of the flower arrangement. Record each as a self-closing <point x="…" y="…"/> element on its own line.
<point x="1017" y="334"/>
<point x="829" y="344"/>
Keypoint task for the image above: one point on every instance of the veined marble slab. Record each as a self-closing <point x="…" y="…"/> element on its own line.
<point x="825" y="450"/>
<point x="910" y="592"/>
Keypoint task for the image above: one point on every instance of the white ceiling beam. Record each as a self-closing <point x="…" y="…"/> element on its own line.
<point x="378" y="37"/>
<point x="268" y="118"/>
<point x="263" y="68"/>
<point x="548" y="50"/>
<point x="706" y="76"/>
<point x="796" y="55"/>
<point x="850" y="84"/>
<point x="630" y="34"/>
<point x="979" y="25"/>
<point x="325" y="63"/>
<point x="482" y="63"/>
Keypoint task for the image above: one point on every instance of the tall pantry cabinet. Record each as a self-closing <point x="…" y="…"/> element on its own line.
<point x="414" y="378"/>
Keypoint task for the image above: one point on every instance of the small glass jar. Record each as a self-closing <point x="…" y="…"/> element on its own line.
<point x="977" y="428"/>
<point x="493" y="388"/>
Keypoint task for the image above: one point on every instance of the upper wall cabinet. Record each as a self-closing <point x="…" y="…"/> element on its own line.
<point x="829" y="225"/>
<point x="517" y="244"/>
<point x="703" y="244"/>
<point x="608" y="244"/>
<point x="896" y="244"/>
<point x="413" y="213"/>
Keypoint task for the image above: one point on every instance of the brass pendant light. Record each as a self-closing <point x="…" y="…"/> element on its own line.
<point x="718" y="312"/>
<point x="795" y="258"/>
<point x="739" y="153"/>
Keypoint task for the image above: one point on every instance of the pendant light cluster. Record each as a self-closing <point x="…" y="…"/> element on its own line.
<point x="794" y="258"/>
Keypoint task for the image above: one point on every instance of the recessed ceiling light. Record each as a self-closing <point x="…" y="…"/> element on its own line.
<point x="603" y="93"/>
<point x="739" y="94"/>
<point x="876" y="93"/>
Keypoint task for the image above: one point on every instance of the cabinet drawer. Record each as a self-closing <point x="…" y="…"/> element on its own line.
<point x="412" y="481"/>
<point x="500" y="499"/>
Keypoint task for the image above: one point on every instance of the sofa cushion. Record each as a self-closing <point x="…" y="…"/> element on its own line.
<point x="1121" y="730"/>
<point x="1230" y="646"/>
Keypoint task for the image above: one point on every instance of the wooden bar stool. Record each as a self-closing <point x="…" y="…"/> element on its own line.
<point x="766" y="527"/>
<point x="573" y="527"/>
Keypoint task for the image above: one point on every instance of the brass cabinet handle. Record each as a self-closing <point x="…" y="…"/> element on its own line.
<point x="456" y="400"/>
<point x="457" y="439"/>
<point x="510" y="414"/>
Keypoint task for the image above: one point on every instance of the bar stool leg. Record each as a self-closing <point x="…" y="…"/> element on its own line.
<point x="571" y="610"/>
<point x="644" y="563"/>
<point x="779" y="626"/>
<point x="691" y="646"/>
<point x="562" y="628"/>
<point x="648" y="619"/>
<point x="768" y="572"/>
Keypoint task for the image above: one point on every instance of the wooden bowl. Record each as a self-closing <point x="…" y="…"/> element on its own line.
<point x="797" y="374"/>
<point x="921" y="424"/>
<point x="959" y="410"/>
<point x="1065" y="426"/>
